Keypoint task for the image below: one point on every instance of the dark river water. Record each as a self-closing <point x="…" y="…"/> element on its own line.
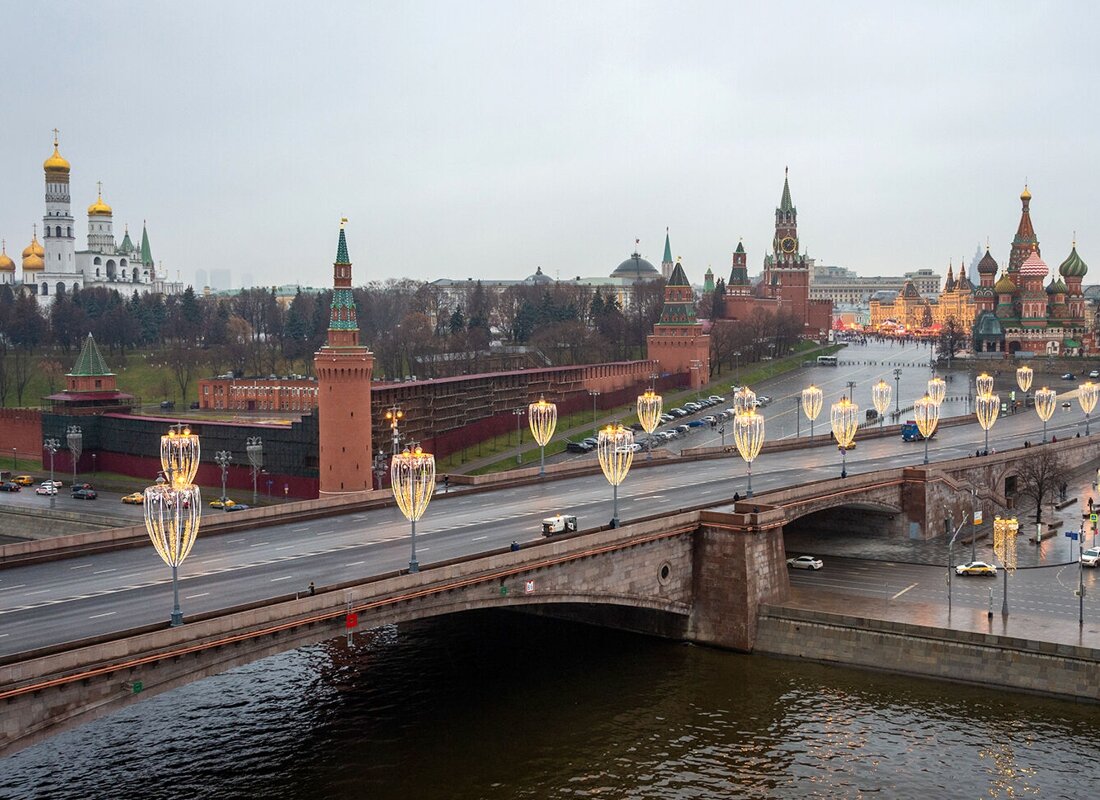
<point x="499" y="705"/>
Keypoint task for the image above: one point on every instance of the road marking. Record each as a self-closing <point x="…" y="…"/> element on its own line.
<point x="355" y="563"/>
<point x="903" y="591"/>
<point x="2" y="635"/>
<point x="479" y="538"/>
<point x="234" y="540"/>
<point x="193" y="596"/>
<point x="17" y="586"/>
<point x="299" y="530"/>
<point x="105" y="571"/>
<point x="38" y="591"/>
<point x="286" y="547"/>
<point x="82" y="566"/>
<point x="108" y="614"/>
<point x="284" y="578"/>
<point x="257" y="544"/>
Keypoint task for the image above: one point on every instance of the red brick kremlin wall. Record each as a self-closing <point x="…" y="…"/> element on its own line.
<point x="20" y="428"/>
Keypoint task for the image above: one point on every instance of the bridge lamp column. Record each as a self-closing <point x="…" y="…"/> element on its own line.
<point x="615" y="449"/>
<point x="51" y="446"/>
<point x="519" y="413"/>
<point x="880" y="399"/>
<point x="744" y="399"/>
<point x="1023" y="379"/>
<point x="927" y="414"/>
<point x="650" y="406"/>
<point x="1004" y="546"/>
<point x="937" y="390"/>
<point x="74" y="437"/>
<point x="1086" y="395"/>
<point x="543" y="419"/>
<point x="222" y="459"/>
<point x="1045" y="402"/>
<point x="811" y="405"/>
<point x="254" y="447"/>
<point x="987" y="407"/>
<point x="412" y="478"/>
<point x="748" y="435"/>
<point x="844" y="418"/>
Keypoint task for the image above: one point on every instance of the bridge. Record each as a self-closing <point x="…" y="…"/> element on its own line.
<point x="693" y="571"/>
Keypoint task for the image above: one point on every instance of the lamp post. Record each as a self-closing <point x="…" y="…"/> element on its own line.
<point x="851" y="389"/>
<point x="222" y="459"/>
<point x="744" y="399"/>
<point x="1004" y="546"/>
<point x="14" y="459"/>
<point x="1023" y="379"/>
<point x="737" y="367"/>
<point x="615" y="449"/>
<point x="74" y="436"/>
<point x="379" y="466"/>
<point x="1045" y="402"/>
<point x="984" y="384"/>
<point x="1086" y="396"/>
<point x="412" y="475"/>
<point x="519" y="413"/>
<point x="880" y="399"/>
<point x="937" y="390"/>
<point x="897" y="391"/>
<point x="394" y="415"/>
<point x="649" y="414"/>
<point x="748" y="435"/>
<point x="844" y="417"/>
<point x="254" y="446"/>
<point x="987" y="407"/>
<point x="543" y="419"/>
<point x="51" y="446"/>
<point x="93" y="465"/>
<point x="927" y="414"/>
<point x="811" y="405"/>
<point x="173" y="507"/>
<point x="594" y="394"/>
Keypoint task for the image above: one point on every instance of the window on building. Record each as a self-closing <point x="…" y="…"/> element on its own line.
<point x="58" y="231"/>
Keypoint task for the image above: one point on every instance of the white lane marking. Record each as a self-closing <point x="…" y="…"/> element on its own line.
<point x="105" y="571"/>
<point x="108" y="614"/>
<point x="299" y="530"/>
<point x="2" y="635"/>
<point x="355" y="563"/>
<point x="234" y="540"/>
<point x="81" y="566"/>
<point x="193" y="596"/>
<point x="479" y="538"/>
<point x="903" y="591"/>
<point x="17" y="586"/>
<point x="258" y="544"/>
<point x="38" y="591"/>
<point x="284" y="578"/>
<point x="286" y="547"/>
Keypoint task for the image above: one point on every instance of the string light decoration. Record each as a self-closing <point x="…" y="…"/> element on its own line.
<point x="1086" y="395"/>
<point x="748" y="435"/>
<point x="744" y="399"/>
<point x="543" y="419"/>
<point x="1004" y="546"/>
<point x="1024" y="375"/>
<point x="937" y="390"/>
<point x="987" y="407"/>
<point x="412" y="478"/>
<point x="172" y="508"/>
<point x="984" y="383"/>
<point x="615" y="449"/>
<point x="844" y="418"/>
<point x="926" y="412"/>
<point x="880" y="399"/>
<point x="1045" y="402"/>
<point x="650" y="405"/>
<point x="811" y="405"/>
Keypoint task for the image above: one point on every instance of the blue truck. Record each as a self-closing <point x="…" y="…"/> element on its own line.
<point x="911" y="433"/>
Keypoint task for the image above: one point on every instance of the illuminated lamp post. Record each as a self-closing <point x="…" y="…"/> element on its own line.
<point x="1086" y="396"/>
<point x="987" y="407"/>
<point x="173" y="507"/>
<point x="394" y="415"/>
<point x="984" y="384"/>
<point x="811" y="405"/>
<point x="1045" y="402"/>
<point x="880" y="399"/>
<point x="744" y="399"/>
<point x="926" y="411"/>
<point x="650" y="405"/>
<point x="1004" y="546"/>
<point x="222" y="459"/>
<point x="937" y="390"/>
<point x="748" y="435"/>
<point x="616" y="453"/>
<point x="543" y="419"/>
<point x="412" y="478"/>
<point x="1023" y="379"/>
<point x="844" y="418"/>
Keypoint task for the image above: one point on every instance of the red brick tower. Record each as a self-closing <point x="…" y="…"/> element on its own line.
<point x="678" y="341"/>
<point x="786" y="274"/>
<point x="344" y="369"/>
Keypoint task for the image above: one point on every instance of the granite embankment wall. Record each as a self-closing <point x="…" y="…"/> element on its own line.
<point x="983" y="659"/>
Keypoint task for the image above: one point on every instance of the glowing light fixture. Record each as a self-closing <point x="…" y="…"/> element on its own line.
<point x="543" y="418"/>
<point x="880" y="399"/>
<point x="1023" y="378"/>
<point x="615" y="449"/>
<point x="984" y="382"/>
<point x="1045" y="402"/>
<point x="1004" y="546"/>
<point x="1086" y="395"/>
<point x="987" y="407"/>
<point x="937" y="390"/>
<point x="926" y="411"/>
<point x="650" y="405"/>
<point x="412" y="478"/>
<point x="748" y="435"/>
<point x="811" y="405"/>
<point x="844" y="418"/>
<point x="744" y="399"/>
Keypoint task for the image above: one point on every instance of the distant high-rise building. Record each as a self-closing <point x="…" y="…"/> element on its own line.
<point x="219" y="279"/>
<point x="201" y="278"/>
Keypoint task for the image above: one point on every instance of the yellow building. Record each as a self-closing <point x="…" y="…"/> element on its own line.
<point x="907" y="312"/>
<point x="956" y="300"/>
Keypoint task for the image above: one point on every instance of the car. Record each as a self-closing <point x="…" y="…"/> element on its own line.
<point x="667" y="418"/>
<point x="976" y="568"/>
<point x="692" y="407"/>
<point x="84" y="494"/>
<point x="167" y="405"/>
<point x="717" y="398"/>
<point x="1095" y="374"/>
<point x="710" y="419"/>
<point x="805" y="562"/>
<point x="134" y="499"/>
<point x="696" y="423"/>
<point x="682" y="429"/>
<point x="10" y="486"/>
<point x="763" y="399"/>
<point x="1090" y="557"/>
<point x="559" y="523"/>
<point x="678" y="412"/>
<point x="592" y="441"/>
<point x="23" y="480"/>
<point x="56" y="484"/>
<point x="46" y="489"/>
<point x="238" y="507"/>
<point x="1069" y="376"/>
<point x="571" y="447"/>
<point x="636" y="447"/>
<point x="77" y="486"/>
<point x="637" y="427"/>
<point x="1067" y="404"/>
<point x="219" y="502"/>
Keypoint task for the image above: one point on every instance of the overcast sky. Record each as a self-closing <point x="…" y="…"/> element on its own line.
<point x="483" y="139"/>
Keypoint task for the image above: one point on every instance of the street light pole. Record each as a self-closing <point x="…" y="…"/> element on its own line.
<point x="594" y="394"/>
<point x="254" y="446"/>
<point x="897" y="391"/>
<point x="52" y="446"/>
<point x="75" y="439"/>
<point x="737" y="367"/>
<point x="222" y="459"/>
<point x="519" y="414"/>
<point x="395" y="415"/>
<point x="851" y="387"/>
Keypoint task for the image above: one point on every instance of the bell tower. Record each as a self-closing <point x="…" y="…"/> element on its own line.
<point x="57" y="224"/>
<point x="344" y="369"/>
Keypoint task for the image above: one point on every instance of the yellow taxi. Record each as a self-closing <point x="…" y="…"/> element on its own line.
<point x="23" y="480"/>
<point x="135" y="499"/>
<point x="222" y="502"/>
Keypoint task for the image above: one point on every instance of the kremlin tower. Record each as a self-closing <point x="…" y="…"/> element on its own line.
<point x="344" y="369"/>
<point x="678" y="342"/>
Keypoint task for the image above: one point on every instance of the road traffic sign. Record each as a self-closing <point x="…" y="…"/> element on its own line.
<point x="1071" y="535"/>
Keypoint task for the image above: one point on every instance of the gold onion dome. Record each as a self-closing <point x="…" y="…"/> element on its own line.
<point x="99" y="208"/>
<point x="6" y="264"/>
<point x="56" y="162"/>
<point x="34" y="248"/>
<point x="1025" y="194"/>
<point x="1005" y="285"/>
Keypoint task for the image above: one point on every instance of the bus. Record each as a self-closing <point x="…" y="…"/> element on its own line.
<point x="826" y="361"/>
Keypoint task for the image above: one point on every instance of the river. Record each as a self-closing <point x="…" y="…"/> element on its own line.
<point x="502" y="705"/>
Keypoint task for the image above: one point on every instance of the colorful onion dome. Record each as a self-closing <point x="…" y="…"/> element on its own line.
<point x="1073" y="267"/>
<point x="6" y="264"/>
<point x="99" y="208"/>
<point x="1057" y="287"/>
<point x="1005" y="285"/>
<point x="1034" y="266"/>
<point x="988" y="265"/>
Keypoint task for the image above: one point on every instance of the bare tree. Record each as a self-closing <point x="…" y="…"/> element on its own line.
<point x="1040" y="475"/>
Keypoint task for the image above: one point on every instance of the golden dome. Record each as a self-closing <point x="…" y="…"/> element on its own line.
<point x="56" y="162"/>
<point x="6" y="264"/>
<point x="1025" y="194"/>
<point x="99" y="208"/>
<point x="34" y="248"/>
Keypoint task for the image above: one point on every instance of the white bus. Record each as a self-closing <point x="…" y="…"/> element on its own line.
<point x="826" y="361"/>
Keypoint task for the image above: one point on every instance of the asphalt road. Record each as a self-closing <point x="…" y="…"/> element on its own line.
<point x="63" y="600"/>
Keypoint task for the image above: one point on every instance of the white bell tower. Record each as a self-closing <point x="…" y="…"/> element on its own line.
<point x="59" y="240"/>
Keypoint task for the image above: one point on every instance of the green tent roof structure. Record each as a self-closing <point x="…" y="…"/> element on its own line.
<point x="668" y="249"/>
<point x="342" y="249"/>
<point x="785" y="204"/>
<point x="146" y="251"/>
<point x="90" y="363"/>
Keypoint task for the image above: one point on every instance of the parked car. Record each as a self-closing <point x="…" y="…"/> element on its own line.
<point x="46" y="489"/>
<point x="696" y="423"/>
<point x="1094" y="374"/>
<point x="692" y="407"/>
<point x="710" y="419"/>
<point x="134" y="499"/>
<point x="976" y="568"/>
<point x="1069" y="376"/>
<point x="77" y="486"/>
<point x="636" y="447"/>
<point x="577" y="447"/>
<point x="717" y="398"/>
<point x="23" y="480"/>
<point x="682" y="429"/>
<point x="805" y="562"/>
<point x="559" y="523"/>
<point x="55" y="483"/>
<point x="167" y="405"/>
<point x="667" y="418"/>
<point x="678" y="412"/>
<point x="1090" y="557"/>
<point x="238" y="507"/>
<point x="9" y="486"/>
<point x="84" y="494"/>
<point x="218" y="502"/>
<point x="195" y="404"/>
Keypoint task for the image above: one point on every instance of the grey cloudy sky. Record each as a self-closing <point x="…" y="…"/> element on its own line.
<point x="484" y="139"/>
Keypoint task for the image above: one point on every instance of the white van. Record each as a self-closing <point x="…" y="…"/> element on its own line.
<point x="559" y="523"/>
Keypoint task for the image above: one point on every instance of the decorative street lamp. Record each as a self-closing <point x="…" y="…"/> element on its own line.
<point x="880" y="399"/>
<point x="744" y="399"/>
<point x="1004" y="546"/>
<point x="1045" y="402"/>
<point x="74" y="436"/>
<point x="926" y="411"/>
<point x="593" y="394"/>
<point x="173" y="507"/>
<point x="254" y="446"/>
<point x="51" y="446"/>
<point x="616" y="453"/>
<point x="811" y="405"/>
<point x="844" y="417"/>
<point x="987" y="407"/>
<point x="984" y="384"/>
<point x="737" y="366"/>
<point x="897" y="391"/>
<point x="412" y="478"/>
<point x="518" y="413"/>
<point x="543" y="419"/>
<point x="649" y="414"/>
<point x="394" y="415"/>
<point x="748" y="435"/>
<point x="222" y="459"/>
<point x="1086" y="395"/>
<point x="1023" y="378"/>
<point x="380" y="467"/>
<point x="937" y="390"/>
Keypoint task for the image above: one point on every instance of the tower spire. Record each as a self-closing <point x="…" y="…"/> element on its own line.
<point x="668" y="249"/>
<point x="343" y="324"/>
<point x="785" y="204"/>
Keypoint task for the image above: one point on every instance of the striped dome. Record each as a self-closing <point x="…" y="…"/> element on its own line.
<point x="1034" y="266"/>
<point x="1073" y="267"/>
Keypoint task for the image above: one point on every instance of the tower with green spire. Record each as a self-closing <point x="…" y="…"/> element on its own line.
<point x="678" y="343"/>
<point x="666" y="262"/>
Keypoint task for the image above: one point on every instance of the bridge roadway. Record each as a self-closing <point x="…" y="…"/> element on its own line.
<point x="60" y="601"/>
